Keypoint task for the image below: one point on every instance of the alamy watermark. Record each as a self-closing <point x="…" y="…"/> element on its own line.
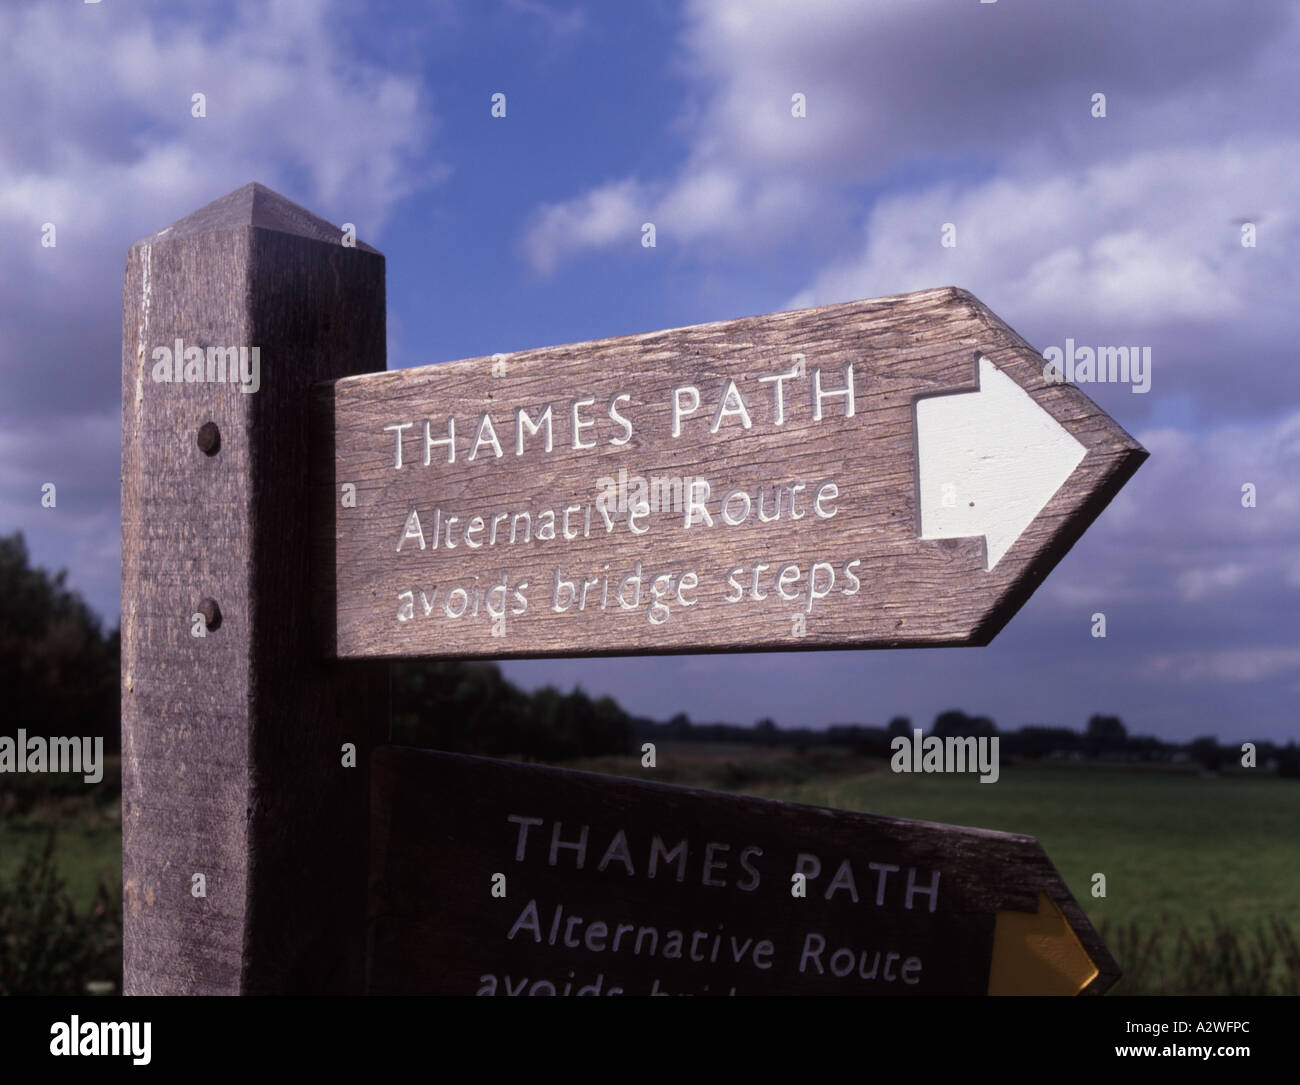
<point x="1103" y="365"/>
<point x="115" y="1038"/>
<point x="658" y="493"/>
<point x="179" y="364"/>
<point x="951" y="754"/>
<point x="35" y="753"/>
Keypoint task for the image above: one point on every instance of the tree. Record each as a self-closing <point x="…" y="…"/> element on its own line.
<point x="1206" y="750"/>
<point x="465" y="707"/>
<point x="470" y="707"/>
<point x="613" y="728"/>
<point x="956" y="724"/>
<point x="679" y="726"/>
<point x="1039" y="741"/>
<point x="899" y="727"/>
<point x="59" y="674"/>
<point x="1105" y="733"/>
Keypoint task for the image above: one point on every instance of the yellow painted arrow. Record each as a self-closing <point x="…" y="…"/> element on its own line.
<point x="1038" y="954"/>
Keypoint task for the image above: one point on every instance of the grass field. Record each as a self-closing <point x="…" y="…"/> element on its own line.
<point x="1172" y="844"/>
<point x="87" y="821"/>
<point x="1179" y="850"/>
<point x="85" y="852"/>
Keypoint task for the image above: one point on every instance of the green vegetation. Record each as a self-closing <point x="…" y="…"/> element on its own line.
<point x="1170" y="843"/>
<point x="50" y="945"/>
<point x="1202" y="883"/>
<point x="1247" y="959"/>
<point x="61" y="884"/>
<point x="86" y="822"/>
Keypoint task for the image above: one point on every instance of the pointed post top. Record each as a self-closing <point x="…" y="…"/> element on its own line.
<point x="257" y="206"/>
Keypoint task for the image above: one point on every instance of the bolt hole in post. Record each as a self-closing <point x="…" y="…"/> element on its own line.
<point x="209" y="438"/>
<point x="211" y="614"/>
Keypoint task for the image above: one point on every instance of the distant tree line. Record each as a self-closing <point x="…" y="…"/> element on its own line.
<point x="473" y="708"/>
<point x="1105" y="738"/>
<point x="60" y="675"/>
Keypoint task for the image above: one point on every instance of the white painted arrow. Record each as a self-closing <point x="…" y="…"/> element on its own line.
<point x="988" y="461"/>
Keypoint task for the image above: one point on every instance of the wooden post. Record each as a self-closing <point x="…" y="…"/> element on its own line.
<point x="244" y="831"/>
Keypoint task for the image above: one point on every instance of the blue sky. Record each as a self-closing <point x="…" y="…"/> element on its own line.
<point x="505" y="234"/>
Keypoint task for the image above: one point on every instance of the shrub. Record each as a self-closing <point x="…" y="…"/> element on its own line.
<point x="46" y="947"/>
<point x="1263" y="959"/>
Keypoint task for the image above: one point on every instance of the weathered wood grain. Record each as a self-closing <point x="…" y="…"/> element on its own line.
<point x="391" y="603"/>
<point x="231" y="743"/>
<point x="441" y="829"/>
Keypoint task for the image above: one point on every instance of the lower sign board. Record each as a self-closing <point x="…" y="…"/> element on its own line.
<point x="490" y="877"/>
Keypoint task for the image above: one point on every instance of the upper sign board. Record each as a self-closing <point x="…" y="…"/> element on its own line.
<point x="888" y="473"/>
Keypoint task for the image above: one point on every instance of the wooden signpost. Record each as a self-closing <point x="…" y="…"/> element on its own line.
<point x="886" y="473"/>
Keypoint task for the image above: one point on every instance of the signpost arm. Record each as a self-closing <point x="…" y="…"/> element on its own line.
<point x="244" y="821"/>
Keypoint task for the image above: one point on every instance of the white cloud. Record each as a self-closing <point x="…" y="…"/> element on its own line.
<point x="1147" y="241"/>
<point x="604" y="216"/>
<point x="1235" y="665"/>
<point x="113" y="141"/>
<point x="701" y="204"/>
<point x="1197" y="584"/>
<point x="1177" y="544"/>
<point x="897" y="86"/>
<point x="557" y="23"/>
